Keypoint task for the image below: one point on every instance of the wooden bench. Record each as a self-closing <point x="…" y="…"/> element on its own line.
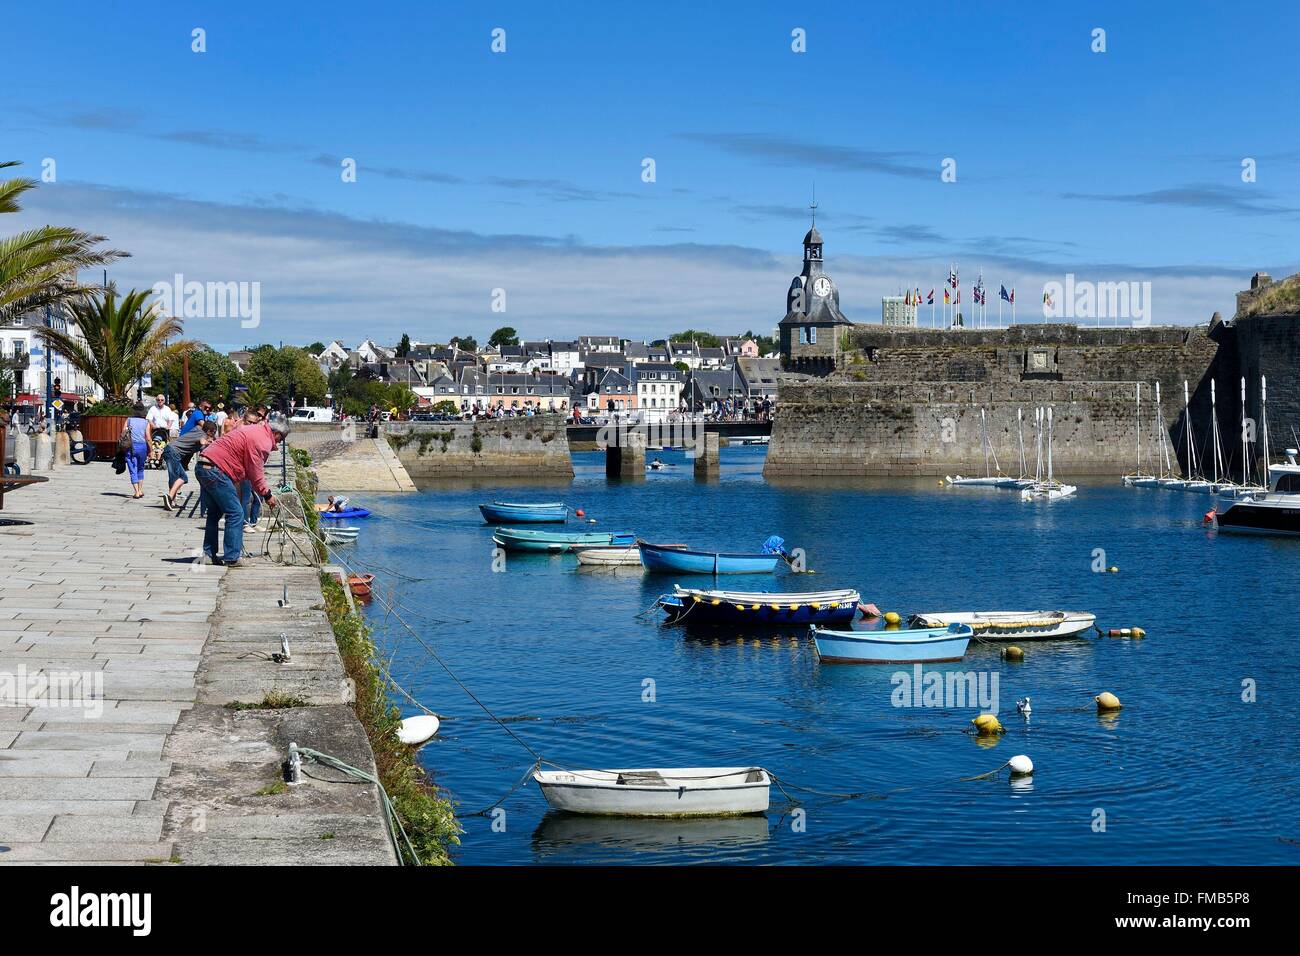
<point x="15" y="482"/>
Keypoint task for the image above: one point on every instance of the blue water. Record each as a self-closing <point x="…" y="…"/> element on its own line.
<point x="1186" y="773"/>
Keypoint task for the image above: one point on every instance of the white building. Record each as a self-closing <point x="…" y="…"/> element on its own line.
<point x="24" y="356"/>
<point x="659" y="388"/>
<point x="896" y="310"/>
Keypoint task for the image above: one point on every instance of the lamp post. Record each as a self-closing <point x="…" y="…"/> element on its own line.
<point x="49" y="374"/>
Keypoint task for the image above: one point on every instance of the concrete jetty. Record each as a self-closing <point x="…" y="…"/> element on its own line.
<point x="144" y="761"/>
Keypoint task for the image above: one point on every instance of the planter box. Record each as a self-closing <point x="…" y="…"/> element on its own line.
<point x="102" y="431"/>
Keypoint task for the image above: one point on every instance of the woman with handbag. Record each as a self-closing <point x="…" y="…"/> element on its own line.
<point x="133" y="443"/>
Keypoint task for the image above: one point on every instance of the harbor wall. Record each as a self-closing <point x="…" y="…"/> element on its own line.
<point x="502" y="448"/>
<point x="344" y="459"/>
<point x="908" y="400"/>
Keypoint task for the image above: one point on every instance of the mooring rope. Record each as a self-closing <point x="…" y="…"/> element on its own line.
<point x="390" y="812"/>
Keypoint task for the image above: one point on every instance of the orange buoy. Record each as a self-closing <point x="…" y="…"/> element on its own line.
<point x="1211" y="515"/>
<point x="580" y="513"/>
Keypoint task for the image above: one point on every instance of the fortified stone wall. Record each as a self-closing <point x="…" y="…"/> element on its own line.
<point x="884" y="414"/>
<point x="503" y="448"/>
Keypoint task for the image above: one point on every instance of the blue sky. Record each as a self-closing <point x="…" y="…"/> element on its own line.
<point x="522" y="170"/>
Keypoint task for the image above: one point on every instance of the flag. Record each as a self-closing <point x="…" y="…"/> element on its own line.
<point x="1013" y="297"/>
<point x="946" y="297"/>
<point x="1003" y="294"/>
<point x="917" y="298"/>
<point x="930" y="298"/>
<point x="907" y="298"/>
<point x="1047" y="300"/>
<point x="952" y="278"/>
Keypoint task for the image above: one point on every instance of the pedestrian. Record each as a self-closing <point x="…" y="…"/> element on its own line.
<point x="221" y="467"/>
<point x="159" y="419"/>
<point x="177" y="455"/>
<point x="220" y="416"/>
<point x="197" y="414"/>
<point x="134" y="443"/>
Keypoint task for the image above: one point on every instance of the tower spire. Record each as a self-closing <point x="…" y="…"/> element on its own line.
<point x="813" y="205"/>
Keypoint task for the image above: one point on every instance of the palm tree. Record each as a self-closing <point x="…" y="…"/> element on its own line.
<point x="255" y="393"/>
<point x="38" y="267"/>
<point x="122" y="339"/>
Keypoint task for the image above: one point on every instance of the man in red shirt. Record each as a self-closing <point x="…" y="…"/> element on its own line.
<point x="238" y="456"/>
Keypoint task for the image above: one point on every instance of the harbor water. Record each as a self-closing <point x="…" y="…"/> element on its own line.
<point x="1200" y="765"/>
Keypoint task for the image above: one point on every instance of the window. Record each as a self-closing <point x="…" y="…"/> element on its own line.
<point x="812" y="335"/>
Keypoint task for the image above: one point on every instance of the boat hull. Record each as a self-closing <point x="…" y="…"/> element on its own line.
<point x="1266" y="517"/>
<point x="502" y="512"/>
<point x="1011" y="625"/>
<point x="920" y="646"/>
<point x="685" y="792"/>
<point x="759" y="609"/>
<point x="610" y="557"/>
<point x="348" y="513"/>
<point x="555" y="542"/>
<point x="666" y="560"/>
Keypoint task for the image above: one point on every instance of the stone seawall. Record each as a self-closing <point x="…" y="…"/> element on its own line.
<point x="504" y="448"/>
<point x="345" y="460"/>
<point x="883" y="413"/>
<point x="934" y="429"/>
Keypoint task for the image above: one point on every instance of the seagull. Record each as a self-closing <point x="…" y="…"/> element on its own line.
<point x="1022" y="707"/>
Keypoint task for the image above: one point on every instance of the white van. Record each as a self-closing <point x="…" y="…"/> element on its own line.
<point x="312" y="413"/>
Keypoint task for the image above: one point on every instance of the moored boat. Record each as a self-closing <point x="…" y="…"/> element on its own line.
<point x="360" y="584"/>
<point x="1010" y="625"/>
<point x="1272" y="512"/>
<point x="667" y="559"/>
<point x="336" y="535"/>
<point x="508" y="512"/>
<point x="346" y="513"/>
<point x="555" y="542"/>
<point x="760" y="608"/>
<point x="662" y="792"/>
<point x="916" y="646"/>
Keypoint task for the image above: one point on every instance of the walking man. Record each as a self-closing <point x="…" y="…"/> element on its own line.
<point x="177" y="455"/>
<point x="221" y="467"/>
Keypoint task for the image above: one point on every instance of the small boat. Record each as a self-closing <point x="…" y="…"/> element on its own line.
<point x="360" y="584"/>
<point x="990" y="480"/>
<point x="1045" y="487"/>
<point x="557" y="542"/>
<point x="346" y="513"/>
<point x="665" y="792"/>
<point x="753" y="440"/>
<point x="1010" y="625"/>
<point x="669" y="559"/>
<point x="610" y="556"/>
<point x="1047" y="491"/>
<point x="917" y="646"/>
<point x="761" y="608"/>
<point x="414" y="731"/>
<point x="339" y="535"/>
<point x="656" y="465"/>
<point x="505" y="512"/>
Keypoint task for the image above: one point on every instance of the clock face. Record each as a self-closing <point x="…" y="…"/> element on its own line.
<point x="822" y="287"/>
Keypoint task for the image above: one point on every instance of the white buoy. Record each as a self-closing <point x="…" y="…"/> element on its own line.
<point x="1021" y="766"/>
<point x="416" y="730"/>
<point x="1023" y="708"/>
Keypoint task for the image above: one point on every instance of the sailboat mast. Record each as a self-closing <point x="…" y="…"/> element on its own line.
<point x="1263" y="420"/>
<point x="1049" y="444"/>
<point x="1137" y="423"/>
<point x="1214" y="430"/>
<point x="1245" y="480"/>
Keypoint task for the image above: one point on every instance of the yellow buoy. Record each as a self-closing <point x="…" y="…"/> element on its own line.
<point x="987" y="725"/>
<point x="1013" y="653"/>
<point x="1107" y="701"/>
<point x="1138" y="632"/>
<point x="891" y="617"/>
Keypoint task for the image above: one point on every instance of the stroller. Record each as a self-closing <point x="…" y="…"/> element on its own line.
<point x="155" y="461"/>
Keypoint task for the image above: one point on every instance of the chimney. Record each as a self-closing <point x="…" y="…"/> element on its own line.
<point x="1259" y="280"/>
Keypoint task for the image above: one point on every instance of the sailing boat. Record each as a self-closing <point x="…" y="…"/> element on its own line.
<point x="1194" y="482"/>
<point x="1049" y="489"/>
<point x="1246" y="488"/>
<point x="989" y="477"/>
<point x="1138" y="478"/>
<point x="1024" y="481"/>
<point x="1226" y="486"/>
<point x="1163" y="458"/>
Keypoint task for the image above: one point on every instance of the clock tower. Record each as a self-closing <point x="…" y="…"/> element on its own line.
<point x="813" y="323"/>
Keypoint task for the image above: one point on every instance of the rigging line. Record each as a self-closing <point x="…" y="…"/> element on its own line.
<point x="441" y="663"/>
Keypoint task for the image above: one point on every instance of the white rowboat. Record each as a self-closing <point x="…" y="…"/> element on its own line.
<point x="665" y="792"/>
<point x="1009" y="625"/>
<point x="610" y="557"/>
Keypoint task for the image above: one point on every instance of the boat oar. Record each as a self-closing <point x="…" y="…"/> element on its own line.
<point x="792" y="567"/>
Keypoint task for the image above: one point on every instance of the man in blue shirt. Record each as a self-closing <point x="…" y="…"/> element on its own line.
<point x="200" y="414"/>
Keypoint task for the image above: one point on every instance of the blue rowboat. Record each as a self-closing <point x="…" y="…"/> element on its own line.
<point x="554" y="542"/>
<point x="669" y="560"/>
<point x="924" y="645"/>
<point x="346" y="513"/>
<point x="505" y="512"/>
<point x="691" y="606"/>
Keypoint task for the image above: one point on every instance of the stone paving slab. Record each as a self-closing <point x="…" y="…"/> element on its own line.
<point x="105" y="585"/>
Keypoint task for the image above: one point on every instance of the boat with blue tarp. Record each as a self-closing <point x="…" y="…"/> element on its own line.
<point x="665" y="559"/>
